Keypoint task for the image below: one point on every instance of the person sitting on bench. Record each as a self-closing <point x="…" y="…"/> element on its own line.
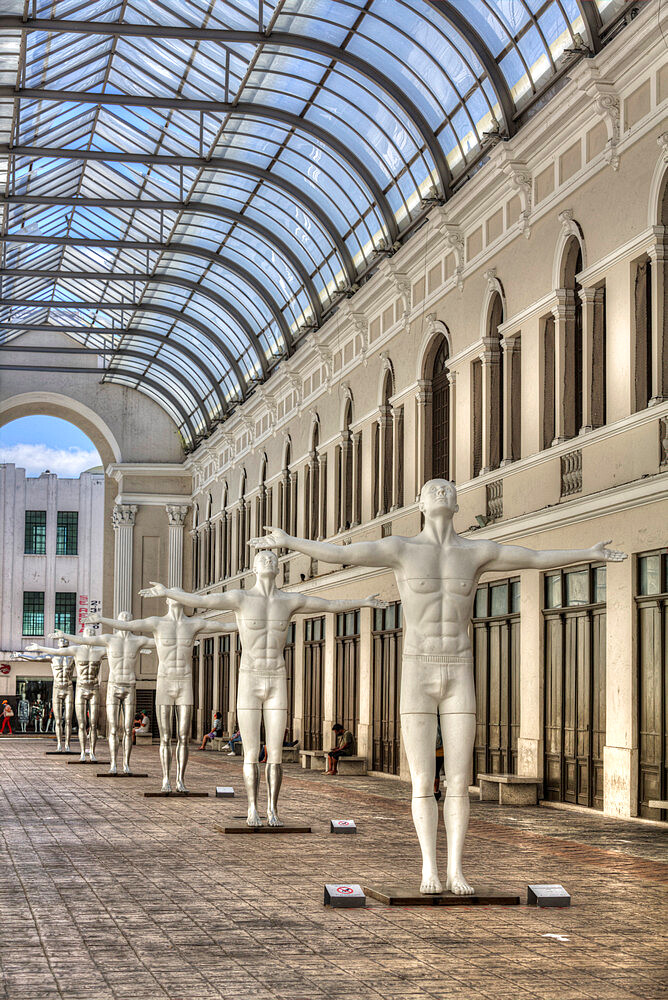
<point x="345" y="747"/>
<point x="217" y="731"/>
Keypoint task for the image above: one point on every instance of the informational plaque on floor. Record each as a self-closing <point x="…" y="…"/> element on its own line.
<point x="548" y="895"/>
<point x="345" y="895"/>
<point x="342" y="826"/>
<point x="224" y="792"/>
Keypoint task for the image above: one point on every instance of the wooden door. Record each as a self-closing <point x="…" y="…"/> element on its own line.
<point x="652" y="611"/>
<point x="496" y="653"/>
<point x="346" y="702"/>
<point x="224" y="664"/>
<point x="574" y="721"/>
<point x="207" y="669"/>
<point x="387" y="647"/>
<point x="193" y="728"/>
<point x="314" y="668"/>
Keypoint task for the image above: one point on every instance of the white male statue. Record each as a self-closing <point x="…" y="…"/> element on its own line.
<point x="263" y="615"/>
<point x="62" y="668"/>
<point x="87" y="661"/>
<point x="437" y="572"/>
<point x="123" y="650"/>
<point x="174" y="636"/>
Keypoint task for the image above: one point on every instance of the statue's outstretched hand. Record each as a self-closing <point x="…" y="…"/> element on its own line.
<point x="601" y="551"/>
<point x="155" y="590"/>
<point x="94" y="618"/>
<point x="275" y="538"/>
<point x="375" y="602"/>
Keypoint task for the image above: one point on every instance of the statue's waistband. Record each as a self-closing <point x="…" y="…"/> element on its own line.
<point x="463" y="658"/>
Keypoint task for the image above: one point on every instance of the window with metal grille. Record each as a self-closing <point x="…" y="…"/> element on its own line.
<point x="33" y="612"/>
<point x="68" y="532"/>
<point x="66" y="610"/>
<point x="35" y="533"/>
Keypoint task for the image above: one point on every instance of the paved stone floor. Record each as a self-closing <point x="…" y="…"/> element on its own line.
<point x="105" y="894"/>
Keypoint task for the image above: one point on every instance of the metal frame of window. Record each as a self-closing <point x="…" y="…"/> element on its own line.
<point x="65" y="612"/>
<point x="35" y="533"/>
<point x="33" y="612"/>
<point x="323" y="133"/>
<point x="67" y="533"/>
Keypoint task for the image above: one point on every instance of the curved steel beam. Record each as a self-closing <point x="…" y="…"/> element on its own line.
<point x="243" y="109"/>
<point x="195" y="208"/>
<point x="215" y="163"/>
<point x="134" y="307"/>
<point x="187" y="249"/>
<point x="464" y="27"/>
<point x="164" y="279"/>
<point x="161" y="338"/>
<point x="592" y="22"/>
<point x="279" y="38"/>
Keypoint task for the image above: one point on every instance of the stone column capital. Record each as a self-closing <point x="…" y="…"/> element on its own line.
<point x="176" y="514"/>
<point x="124" y="515"/>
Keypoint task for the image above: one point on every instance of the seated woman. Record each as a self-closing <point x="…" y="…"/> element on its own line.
<point x="345" y="747"/>
<point x="217" y="731"/>
<point x="234" y="738"/>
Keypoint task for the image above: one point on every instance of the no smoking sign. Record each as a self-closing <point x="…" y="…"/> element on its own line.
<point x="344" y="894"/>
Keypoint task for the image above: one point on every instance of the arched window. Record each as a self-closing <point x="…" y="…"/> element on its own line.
<point x="651" y="316"/>
<point x="209" y="541"/>
<point x="440" y="414"/>
<point x="225" y="538"/>
<point x="496" y="416"/>
<point x="345" y="464"/>
<point x="263" y="504"/>
<point x="195" y="548"/>
<point x="315" y="492"/>
<point x="572" y="375"/>
<point x="388" y="446"/>
<point x="243" y="528"/>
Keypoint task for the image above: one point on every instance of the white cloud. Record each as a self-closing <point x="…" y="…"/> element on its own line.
<point x="37" y="458"/>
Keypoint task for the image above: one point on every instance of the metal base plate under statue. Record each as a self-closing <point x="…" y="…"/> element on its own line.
<point x="176" y="795"/>
<point x="264" y="829"/>
<point x="121" y="774"/>
<point x="96" y="762"/>
<point x="401" y="895"/>
<point x="61" y="753"/>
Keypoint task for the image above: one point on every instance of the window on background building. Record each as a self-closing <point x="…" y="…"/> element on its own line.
<point x="66" y="612"/>
<point x="440" y="387"/>
<point x="35" y="533"/>
<point x="67" y="533"/>
<point x="576" y="587"/>
<point x="33" y="612"/>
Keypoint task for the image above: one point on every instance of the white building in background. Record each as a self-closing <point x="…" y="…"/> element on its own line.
<point x="51" y="557"/>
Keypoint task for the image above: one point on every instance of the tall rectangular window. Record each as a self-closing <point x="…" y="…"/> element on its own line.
<point x="35" y="533"/>
<point x="68" y="530"/>
<point x="33" y="612"/>
<point x="66" y="612"/>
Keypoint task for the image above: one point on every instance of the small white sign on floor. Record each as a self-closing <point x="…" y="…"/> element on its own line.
<point x="344" y="895"/>
<point x="224" y="792"/>
<point x="547" y="895"/>
<point x="342" y="826"/>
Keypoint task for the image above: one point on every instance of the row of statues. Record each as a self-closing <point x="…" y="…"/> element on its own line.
<point x="436" y="571"/>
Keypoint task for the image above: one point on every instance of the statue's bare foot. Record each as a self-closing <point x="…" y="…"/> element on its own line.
<point x="166" y="786"/>
<point x="126" y="769"/>
<point x="272" y="818"/>
<point x="93" y="758"/>
<point x="112" y="769"/>
<point x="82" y="758"/>
<point x="253" y="817"/>
<point x="431" y="883"/>
<point x="180" y="787"/>
<point x="67" y="748"/>
<point x="457" y="883"/>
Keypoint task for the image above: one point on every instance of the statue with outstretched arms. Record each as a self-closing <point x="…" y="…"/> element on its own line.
<point x="263" y="615"/>
<point x="87" y="661"/>
<point x="174" y="636"/>
<point x="62" y="668"/>
<point x="122" y="650"/>
<point x="437" y="572"/>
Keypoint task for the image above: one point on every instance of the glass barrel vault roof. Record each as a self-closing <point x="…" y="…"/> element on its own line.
<point x="194" y="184"/>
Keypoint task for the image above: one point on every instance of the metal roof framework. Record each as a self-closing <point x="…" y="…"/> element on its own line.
<point x="218" y="174"/>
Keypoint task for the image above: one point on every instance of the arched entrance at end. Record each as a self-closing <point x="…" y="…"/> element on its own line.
<point x="53" y="404"/>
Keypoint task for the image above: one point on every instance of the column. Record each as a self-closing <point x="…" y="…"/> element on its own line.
<point x="452" y="443"/>
<point x="322" y="496"/>
<point x="176" y="515"/>
<point x="620" y="754"/>
<point x="509" y="348"/>
<point x="588" y="299"/>
<point x="357" y="486"/>
<point x="365" y="686"/>
<point x="298" y="681"/>
<point x="658" y="256"/>
<point x="346" y="447"/>
<point x="423" y="399"/>
<point x="397" y="456"/>
<point x="329" y="681"/>
<point x="564" y="317"/>
<point x="383" y="431"/>
<point x="490" y="364"/>
<point x="530" y="745"/>
<point x="124" y="522"/>
<point x="217" y="693"/>
<point x="285" y="487"/>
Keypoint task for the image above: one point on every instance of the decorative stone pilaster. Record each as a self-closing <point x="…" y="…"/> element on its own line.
<point x="658" y="254"/>
<point x="510" y="348"/>
<point x="176" y="515"/>
<point x="564" y="320"/>
<point x="490" y="359"/>
<point x="423" y="398"/>
<point x="123" y="518"/>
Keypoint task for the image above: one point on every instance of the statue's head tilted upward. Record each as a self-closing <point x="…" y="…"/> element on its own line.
<point x="438" y="499"/>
